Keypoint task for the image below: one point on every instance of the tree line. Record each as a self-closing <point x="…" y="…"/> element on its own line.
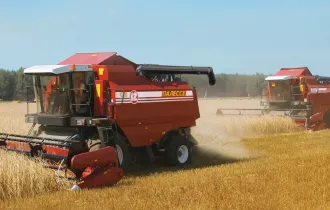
<point x="229" y="85"/>
<point x="13" y="85"/>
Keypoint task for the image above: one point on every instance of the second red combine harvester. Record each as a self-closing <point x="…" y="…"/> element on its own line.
<point x="296" y="93"/>
<point x="307" y="97"/>
<point x="99" y="112"/>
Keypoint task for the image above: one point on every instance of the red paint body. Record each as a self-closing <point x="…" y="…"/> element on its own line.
<point x="302" y="71"/>
<point x="47" y="149"/>
<point x="142" y="123"/>
<point x="102" y="157"/>
<point x="101" y="177"/>
<point x="99" y="169"/>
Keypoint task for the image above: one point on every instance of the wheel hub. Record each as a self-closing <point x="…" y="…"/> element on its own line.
<point x="182" y="154"/>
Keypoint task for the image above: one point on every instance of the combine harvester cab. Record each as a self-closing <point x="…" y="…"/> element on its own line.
<point x="97" y="113"/>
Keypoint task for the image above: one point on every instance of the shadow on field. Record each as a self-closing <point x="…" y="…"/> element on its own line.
<point x="202" y="158"/>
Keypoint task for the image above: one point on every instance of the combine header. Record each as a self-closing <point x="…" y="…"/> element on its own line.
<point x="296" y="93"/>
<point x="97" y="113"/>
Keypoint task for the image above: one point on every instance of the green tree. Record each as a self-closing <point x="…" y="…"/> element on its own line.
<point x="24" y="89"/>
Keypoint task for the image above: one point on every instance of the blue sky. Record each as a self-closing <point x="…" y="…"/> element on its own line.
<point x="231" y="36"/>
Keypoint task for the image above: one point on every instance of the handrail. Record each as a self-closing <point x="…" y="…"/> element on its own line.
<point x="122" y="99"/>
<point x="109" y="98"/>
<point x="88" y="91"/>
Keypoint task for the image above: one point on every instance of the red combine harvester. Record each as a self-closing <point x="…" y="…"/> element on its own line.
<point x="284" y="91"/>
<point x="296" y="93"/>
<point x="98" y="113"/>
<point x="305" y="96"/>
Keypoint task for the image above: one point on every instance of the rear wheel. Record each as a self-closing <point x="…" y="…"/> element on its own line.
<point x="179" y="151"/>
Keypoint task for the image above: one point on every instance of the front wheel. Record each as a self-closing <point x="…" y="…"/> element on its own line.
<point x="122" y="149"/>
<point x="179" y="151"/>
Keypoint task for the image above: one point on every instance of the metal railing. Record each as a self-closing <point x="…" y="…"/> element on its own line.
<point x="86" y="92"/>
<point x="108" y="100"/>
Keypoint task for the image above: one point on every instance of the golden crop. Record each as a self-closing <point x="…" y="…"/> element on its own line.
<point x="235" y="167"/>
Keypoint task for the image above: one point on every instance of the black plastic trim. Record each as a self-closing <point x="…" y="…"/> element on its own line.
<point x="53" y="120"/>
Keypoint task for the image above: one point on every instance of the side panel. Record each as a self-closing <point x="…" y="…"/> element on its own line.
<point x="145" y="116"/>
<point x="117" y="60"/>
<point x="142" y="135"/>
<point x="320" y="101"/>
<point x="145" y="110"/>
<point x="320" y="106"/>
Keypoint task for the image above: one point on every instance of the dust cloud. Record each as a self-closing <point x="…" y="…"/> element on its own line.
<point x="219" y="137"/>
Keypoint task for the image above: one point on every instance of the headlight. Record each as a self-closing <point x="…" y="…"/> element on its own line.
<point x="29" y="119"/>
<point x="81" y="122"/>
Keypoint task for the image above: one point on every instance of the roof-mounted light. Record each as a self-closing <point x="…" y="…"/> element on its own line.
<point x="73" y="67"/>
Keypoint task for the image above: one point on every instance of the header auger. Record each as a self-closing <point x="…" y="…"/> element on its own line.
<point x="97" y="113"/>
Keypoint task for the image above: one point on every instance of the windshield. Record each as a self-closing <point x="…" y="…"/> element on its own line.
<point x="280" y="90"/>
<point x="55" y="94"/>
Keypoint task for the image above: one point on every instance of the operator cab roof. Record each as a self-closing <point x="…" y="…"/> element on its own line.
<point x="280" y="77"/>
<point x="290" y="73"/>
<point x="82" y="62"/>
<point x="88" y="58"/>
<point x="300" y="71"/>
<point x="97" y="58"/>
<point x="56" y="69"/>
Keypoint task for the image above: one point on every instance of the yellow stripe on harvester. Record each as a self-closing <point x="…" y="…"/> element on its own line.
<point x="101" y="70"/>
<point x="98" y="90"/>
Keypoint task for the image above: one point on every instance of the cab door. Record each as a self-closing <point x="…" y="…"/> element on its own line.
<point x="279" y="90"/>
<point x="83" y="84"/>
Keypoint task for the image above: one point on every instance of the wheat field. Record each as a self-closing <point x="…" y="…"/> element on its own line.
<point x="21" y="177"/>
<point x="240" y="163"/>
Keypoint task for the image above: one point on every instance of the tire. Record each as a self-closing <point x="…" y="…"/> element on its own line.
<point x="122" y="148"/>
<point x="327" y="118"/>
<point x="179" y="151"/>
